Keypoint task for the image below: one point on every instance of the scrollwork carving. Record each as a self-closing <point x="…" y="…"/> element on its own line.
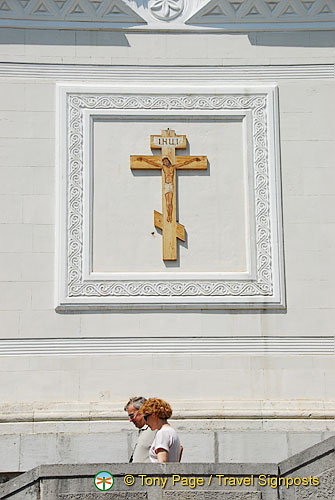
<point x="77" y="287"/>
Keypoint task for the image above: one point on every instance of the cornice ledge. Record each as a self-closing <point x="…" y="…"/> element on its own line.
<point x="183" y="410"/>
<point x="199" y="75"/>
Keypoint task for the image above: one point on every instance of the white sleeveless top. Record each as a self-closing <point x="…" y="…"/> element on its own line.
<point x="166" y="439"/>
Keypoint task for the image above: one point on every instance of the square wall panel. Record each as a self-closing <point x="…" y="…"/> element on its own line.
<point x="110" y="252"/>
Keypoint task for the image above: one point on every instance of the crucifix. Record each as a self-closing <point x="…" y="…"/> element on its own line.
<point x="168" y="163"/>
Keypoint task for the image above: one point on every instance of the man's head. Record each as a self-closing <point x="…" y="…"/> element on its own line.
<point x="132" y="407"/>
<point x="166" y="161"/>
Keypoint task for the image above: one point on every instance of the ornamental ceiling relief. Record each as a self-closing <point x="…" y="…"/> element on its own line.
<point x="172" y="13"/>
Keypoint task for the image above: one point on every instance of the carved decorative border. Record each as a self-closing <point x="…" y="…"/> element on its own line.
<point x="240" y="291"/>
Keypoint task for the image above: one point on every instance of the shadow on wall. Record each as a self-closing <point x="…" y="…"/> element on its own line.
<point x="119" y="39"/>
<point x="298" y="39"/>
<point x="64" y="37"/>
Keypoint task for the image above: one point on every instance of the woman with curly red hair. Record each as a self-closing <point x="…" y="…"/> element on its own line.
<point x="166" y="445"/>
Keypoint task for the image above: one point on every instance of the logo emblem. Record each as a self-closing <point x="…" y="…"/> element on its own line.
<point x="103" y="481"/>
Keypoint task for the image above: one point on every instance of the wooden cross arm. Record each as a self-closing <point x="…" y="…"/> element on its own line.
<point x="145" y="162"/>
<point x="191" y="162"/>
<point x="158" y="222"/>
<point x="155" y="162"/>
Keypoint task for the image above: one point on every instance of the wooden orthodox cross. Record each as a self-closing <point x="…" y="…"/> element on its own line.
<point x="168" y="163"/>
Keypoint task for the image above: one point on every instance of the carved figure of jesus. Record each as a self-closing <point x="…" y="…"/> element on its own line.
<point x="169" y="172"/>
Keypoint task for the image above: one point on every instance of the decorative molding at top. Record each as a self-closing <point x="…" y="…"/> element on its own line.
<point x="82" y="11"/>
<point x="264" y="11"/>
<point x="181" y="15"/>
<point x="180" y="75"/>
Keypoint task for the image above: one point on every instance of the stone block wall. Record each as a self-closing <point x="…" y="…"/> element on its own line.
<point x="309" y="474"/>
<point x="269" y="391"/>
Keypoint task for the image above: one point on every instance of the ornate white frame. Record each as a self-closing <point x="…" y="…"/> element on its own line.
<point x="261" y="288"/>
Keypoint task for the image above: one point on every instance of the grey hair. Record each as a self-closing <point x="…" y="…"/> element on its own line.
<point x="136" y="402"/>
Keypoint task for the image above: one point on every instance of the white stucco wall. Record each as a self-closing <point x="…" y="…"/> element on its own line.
<point x="42" y="392"/>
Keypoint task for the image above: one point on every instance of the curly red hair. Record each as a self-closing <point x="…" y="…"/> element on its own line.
<point x="157" y="407"/>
